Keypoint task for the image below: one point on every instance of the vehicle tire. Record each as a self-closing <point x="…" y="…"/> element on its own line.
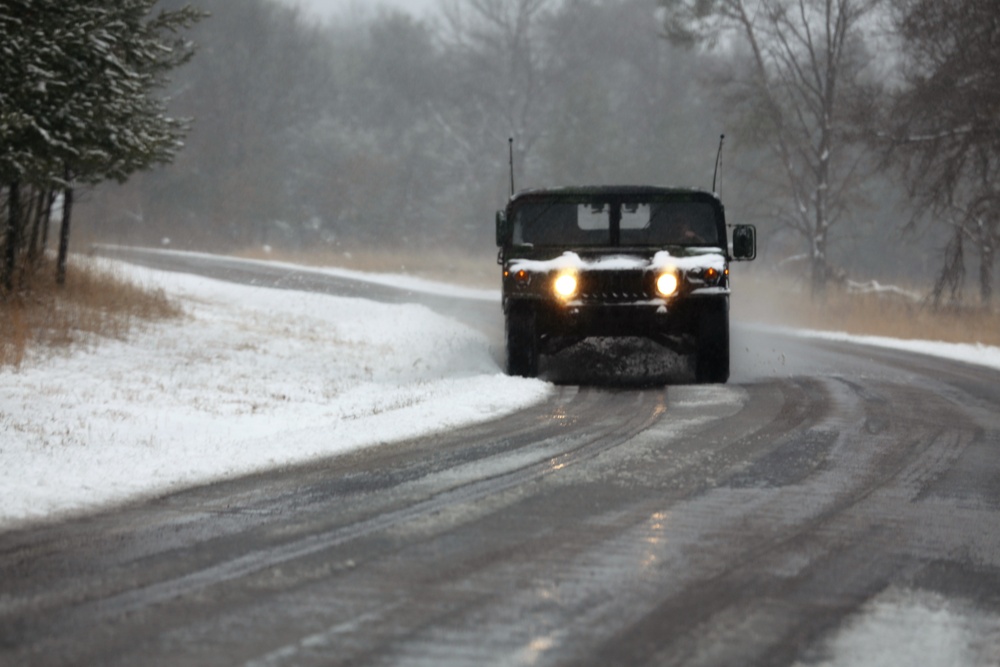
<point x="712" y="356"/>
<point x="521" y="338"/>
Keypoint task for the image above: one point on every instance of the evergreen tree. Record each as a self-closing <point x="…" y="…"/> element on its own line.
<point x="77" y="97"/>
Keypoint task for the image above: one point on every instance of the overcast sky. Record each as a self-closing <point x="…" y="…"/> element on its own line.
<point x="328" y="8"/>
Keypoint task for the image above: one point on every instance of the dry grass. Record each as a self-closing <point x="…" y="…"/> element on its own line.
<point x="94" y="303"/>
<point x="762" y="300"/>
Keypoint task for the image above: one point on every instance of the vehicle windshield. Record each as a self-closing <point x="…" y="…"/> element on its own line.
<point x="656" y="223"/>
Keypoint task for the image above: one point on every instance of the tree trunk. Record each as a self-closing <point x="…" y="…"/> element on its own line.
<point x="64" y="235"/>
<point x="987" y="255"/>
<point x="13" y="226"/>
<point x="820" y="265"/>
<point x="38" y="212"/>
<point x="952" y="271"/>
<point x="818" y="278"/>
<point x="48" y="219"/>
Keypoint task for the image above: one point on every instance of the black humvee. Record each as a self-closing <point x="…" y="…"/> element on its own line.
<point x="618" y="261"/>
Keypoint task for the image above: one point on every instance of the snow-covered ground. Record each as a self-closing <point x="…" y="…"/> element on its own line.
<point x="970" y="353"/>
<point x="252" y="378"/>
<point x="248" y="379"/>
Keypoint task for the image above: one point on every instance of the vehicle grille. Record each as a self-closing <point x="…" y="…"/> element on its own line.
<point x="614" y="287"/>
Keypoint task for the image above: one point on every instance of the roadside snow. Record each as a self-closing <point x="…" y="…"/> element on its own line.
<point x="969" y="353"/>
<point x="911" y="627"/>
<point x="250" y="378"/>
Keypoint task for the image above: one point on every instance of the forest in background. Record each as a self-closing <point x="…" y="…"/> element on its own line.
<point x="844" y="143"/>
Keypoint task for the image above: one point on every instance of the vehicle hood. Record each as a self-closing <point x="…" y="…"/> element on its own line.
<point x="685" y="260"/>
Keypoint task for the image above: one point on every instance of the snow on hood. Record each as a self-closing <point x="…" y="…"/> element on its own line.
<point x="700" y="258"/>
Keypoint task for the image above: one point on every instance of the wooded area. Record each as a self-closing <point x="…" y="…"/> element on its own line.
<point x="861" y="134"/>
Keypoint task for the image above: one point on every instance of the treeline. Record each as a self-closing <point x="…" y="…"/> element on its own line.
<point x="393" y="130"/>
<point x="861" y="134"/>
<point x="77" y="107"/>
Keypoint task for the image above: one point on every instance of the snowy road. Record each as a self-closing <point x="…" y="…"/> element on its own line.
<point x="834" y="504"/>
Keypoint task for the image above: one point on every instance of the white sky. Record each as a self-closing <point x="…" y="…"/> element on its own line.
<point x="330" y="8"/>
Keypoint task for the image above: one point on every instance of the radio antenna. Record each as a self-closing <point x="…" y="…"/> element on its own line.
<point x="510" y="150"/>
<point x="718" y="165"/>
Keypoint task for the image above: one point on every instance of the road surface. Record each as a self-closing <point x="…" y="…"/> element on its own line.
<point x="832" y="504"/>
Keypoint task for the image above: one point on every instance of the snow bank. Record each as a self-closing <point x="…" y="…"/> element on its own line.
<point x="911" y="627"/>
<point x="250" y="378"/>
<point x="969" y="353"/>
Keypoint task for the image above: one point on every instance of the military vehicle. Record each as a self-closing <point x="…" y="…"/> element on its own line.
<point x="611" y="261"/>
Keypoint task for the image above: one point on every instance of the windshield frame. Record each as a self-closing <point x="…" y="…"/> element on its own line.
<point x="615" y="200"/>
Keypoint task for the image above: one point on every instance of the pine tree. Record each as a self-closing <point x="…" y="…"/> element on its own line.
<point x="78" y="104"/>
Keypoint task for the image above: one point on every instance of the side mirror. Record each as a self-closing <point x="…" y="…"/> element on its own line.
<point x="502" y="229"/>
<point x="744" y="243"/>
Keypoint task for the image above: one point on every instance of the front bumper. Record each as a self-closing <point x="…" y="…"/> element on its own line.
<point x="654" y="318"/>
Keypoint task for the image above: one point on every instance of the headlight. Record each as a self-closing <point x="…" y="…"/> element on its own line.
<point x="667" y="284"/>
<point x="565" y="285"/>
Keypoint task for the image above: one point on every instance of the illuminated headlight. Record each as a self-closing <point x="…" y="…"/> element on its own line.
<point x="565" y="285"/>
<point x="667" y="284"/>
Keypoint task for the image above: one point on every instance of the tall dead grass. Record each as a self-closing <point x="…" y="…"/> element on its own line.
<point x="95" y="303"/>
<point x="763" y="300"/>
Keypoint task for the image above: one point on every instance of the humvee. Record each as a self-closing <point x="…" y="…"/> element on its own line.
<point x="613" y="261"/>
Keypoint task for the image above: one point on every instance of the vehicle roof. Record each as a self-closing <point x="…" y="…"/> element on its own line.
<point x="600" y="191"/>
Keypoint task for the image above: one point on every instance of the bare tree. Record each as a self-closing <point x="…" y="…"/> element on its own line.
<point x="499" y="78"/>
<point x="625" y="105"/>
<point x="944" y="128"/>
<point x="806" y="63"/>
